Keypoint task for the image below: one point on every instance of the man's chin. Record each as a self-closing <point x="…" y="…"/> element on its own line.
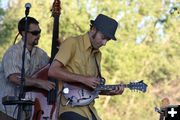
<point x="35" y="43"/>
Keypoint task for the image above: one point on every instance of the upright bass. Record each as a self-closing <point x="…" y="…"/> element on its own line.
<point x="46" y="103"/>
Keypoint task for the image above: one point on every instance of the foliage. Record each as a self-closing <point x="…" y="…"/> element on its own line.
<point x="147" y="47"/>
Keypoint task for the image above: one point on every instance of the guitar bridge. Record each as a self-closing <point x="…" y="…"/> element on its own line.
<point x="83" y="99"/>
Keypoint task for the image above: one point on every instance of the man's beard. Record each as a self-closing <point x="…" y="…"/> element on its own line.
<point x="93" y="43"/>
<point x="94" y="36"/>
<point x="35" y="43"/>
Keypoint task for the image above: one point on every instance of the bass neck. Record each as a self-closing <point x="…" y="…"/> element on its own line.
<point x="56" y="11"/>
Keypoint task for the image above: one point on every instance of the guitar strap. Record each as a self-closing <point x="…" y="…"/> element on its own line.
<point x="97" y="66"/>
<point x="102" y="80"/>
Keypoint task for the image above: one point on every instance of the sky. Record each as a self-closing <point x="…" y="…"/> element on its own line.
<point x="3" y="4"/>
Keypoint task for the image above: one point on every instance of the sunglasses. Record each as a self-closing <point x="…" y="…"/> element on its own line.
<point x="34" y="32"/>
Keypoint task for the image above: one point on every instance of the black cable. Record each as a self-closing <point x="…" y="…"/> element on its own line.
<point x="5" y="111"/>
<point x="15" y="111"/>
<point x="98" y="70"/>
<point x="60" y="93"/>
<point x="5" y="108"/>
<point x="15" y="38"/>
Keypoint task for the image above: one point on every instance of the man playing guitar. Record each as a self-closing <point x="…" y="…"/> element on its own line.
<point x="78" y="61"/>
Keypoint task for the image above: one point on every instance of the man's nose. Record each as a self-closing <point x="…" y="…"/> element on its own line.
<point x="39" y="35"/>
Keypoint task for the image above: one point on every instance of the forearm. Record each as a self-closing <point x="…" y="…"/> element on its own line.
<point x="16" y="79"/>
<point x="29" y="81"/>
<point x="62" y="74"/>
<point x="58" y="71"/>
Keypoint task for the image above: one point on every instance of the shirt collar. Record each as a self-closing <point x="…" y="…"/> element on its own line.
<point x="21" y="42"/>
<point x="87" y="42"/>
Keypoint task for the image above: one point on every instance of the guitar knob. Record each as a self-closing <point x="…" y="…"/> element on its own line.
<point x="66" y="90"/>
<point x="102" y="81"/>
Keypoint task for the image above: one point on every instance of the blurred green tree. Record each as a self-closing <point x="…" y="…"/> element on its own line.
<point x="147" y="47"/>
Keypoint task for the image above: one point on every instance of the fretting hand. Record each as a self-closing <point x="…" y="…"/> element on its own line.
<point x="118" y="90"/>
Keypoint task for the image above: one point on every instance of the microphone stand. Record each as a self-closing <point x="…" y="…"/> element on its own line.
<point x="21" y="93"/>
<point x="23" y="103"/>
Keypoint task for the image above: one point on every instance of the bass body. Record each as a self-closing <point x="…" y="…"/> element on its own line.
<point x="42" y="109"/>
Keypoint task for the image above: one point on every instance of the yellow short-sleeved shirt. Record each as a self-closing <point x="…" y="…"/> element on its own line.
<point x="78" y="57"/>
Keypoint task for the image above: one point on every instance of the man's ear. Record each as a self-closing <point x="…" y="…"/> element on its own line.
<point x="94" y="29"/>
<point x="23" y="33"/>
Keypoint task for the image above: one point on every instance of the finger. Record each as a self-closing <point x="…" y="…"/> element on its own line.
<point x="121" y="89"/>
<point x="51" y="87"/>
<point x="97" y="82"/>
<point x="94" y="86"/>
<point x="48" y="89"/>
<point x="117" y="90"/>
<point x="52" y="83"/>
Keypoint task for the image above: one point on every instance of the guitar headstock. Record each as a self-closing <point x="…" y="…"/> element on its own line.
<point x="140" y="86"/>
<point x="56" y="8"/>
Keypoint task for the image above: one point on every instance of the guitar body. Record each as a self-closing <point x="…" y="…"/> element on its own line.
<point x="42" y="109"/>
<point x="79" y="96"/>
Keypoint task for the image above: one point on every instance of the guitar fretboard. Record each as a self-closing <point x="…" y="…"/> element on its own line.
<point x="108" y="87"/>
<point x="132" y="86"/>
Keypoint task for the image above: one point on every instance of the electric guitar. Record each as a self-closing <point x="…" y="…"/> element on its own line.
<point x="79" y="96"/>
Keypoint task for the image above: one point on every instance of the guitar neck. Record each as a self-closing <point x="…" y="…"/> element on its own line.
<point x="140" y="86"/>
<point x="126" y="85"/>
<point x="109" y="87"/>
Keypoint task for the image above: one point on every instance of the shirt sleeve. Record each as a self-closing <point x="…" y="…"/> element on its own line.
<point x="66" y="51"/>
<point x="11" y="63"/>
